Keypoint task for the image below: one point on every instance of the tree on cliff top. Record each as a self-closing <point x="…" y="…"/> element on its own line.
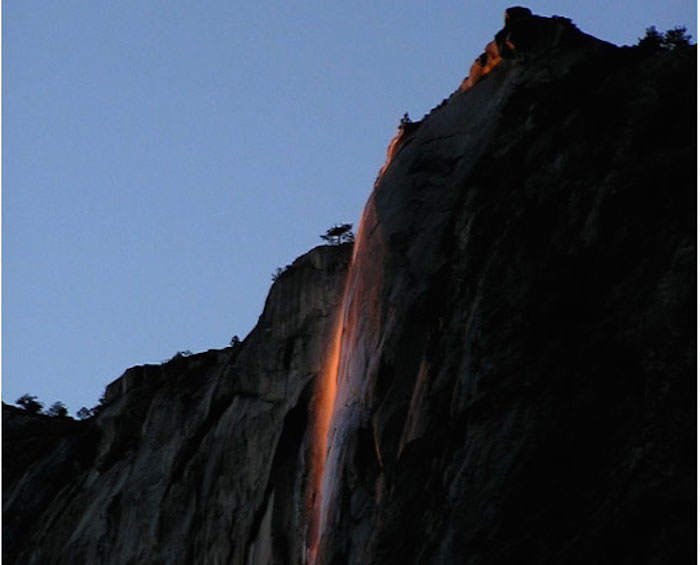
<point x="30" y="403"/>
<point x="58" y="409"/>
<point x="671" y="39"/>
<point x="676" y="37"/>
<point x="84" y="413"/>
<point x="339" y="233"/>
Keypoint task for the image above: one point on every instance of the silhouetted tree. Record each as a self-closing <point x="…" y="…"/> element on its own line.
<point x="84" y="413"/>
<point x="101" y="403"/>
<point x="30" y="403"/>
<point x="676" y="37"/>
<point x="58" y="409"/>
<point x="340" y="233"/>
<point x="672" y="39"/>
<point x="652" y="39"/>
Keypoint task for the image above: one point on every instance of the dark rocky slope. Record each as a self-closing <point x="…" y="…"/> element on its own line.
<point x="516" y="378"/>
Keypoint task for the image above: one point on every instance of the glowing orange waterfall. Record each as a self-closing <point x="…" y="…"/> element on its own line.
<point x="324" y="406"/>
<point x="323" y="411"/>
<point x="337" y="393"/>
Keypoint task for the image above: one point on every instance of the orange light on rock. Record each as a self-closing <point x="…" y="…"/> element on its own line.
<point x="482" y="66"/>
<point x="391" y="151"/>
<point x="324" y="400"/>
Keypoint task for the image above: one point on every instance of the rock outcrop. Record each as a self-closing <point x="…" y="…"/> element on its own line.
<point x="510" y="348"/>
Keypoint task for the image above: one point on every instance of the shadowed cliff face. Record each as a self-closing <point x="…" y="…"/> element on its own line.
<point x="494" y="373"/>
<point x="200" y="460"/>
<point x="503" y="371"/>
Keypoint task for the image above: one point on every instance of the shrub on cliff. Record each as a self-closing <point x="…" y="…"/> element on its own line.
<point x="101" y="403"/>
<point x="83" y="413"/>
<point x="30" y="403"/>
<point x="58" y="410"/>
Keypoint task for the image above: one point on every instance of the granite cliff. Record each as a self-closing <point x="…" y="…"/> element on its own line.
<point x="500" y="370"/>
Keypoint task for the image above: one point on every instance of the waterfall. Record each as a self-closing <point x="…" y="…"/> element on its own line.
<point x="339" y="388"/>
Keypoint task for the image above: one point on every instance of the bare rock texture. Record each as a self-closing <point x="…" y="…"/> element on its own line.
<point x="516" y="368"/>
<point x="525" y="262"/>
<point x="186" y="459"/>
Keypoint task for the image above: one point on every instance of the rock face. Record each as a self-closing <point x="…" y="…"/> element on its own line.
<point x="515" y="374"/>
<point x="501" y="382"/>
<point x="200" y="460"/>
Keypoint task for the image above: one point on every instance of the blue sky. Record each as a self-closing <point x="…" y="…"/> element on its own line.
<point x="161" y="159"/>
